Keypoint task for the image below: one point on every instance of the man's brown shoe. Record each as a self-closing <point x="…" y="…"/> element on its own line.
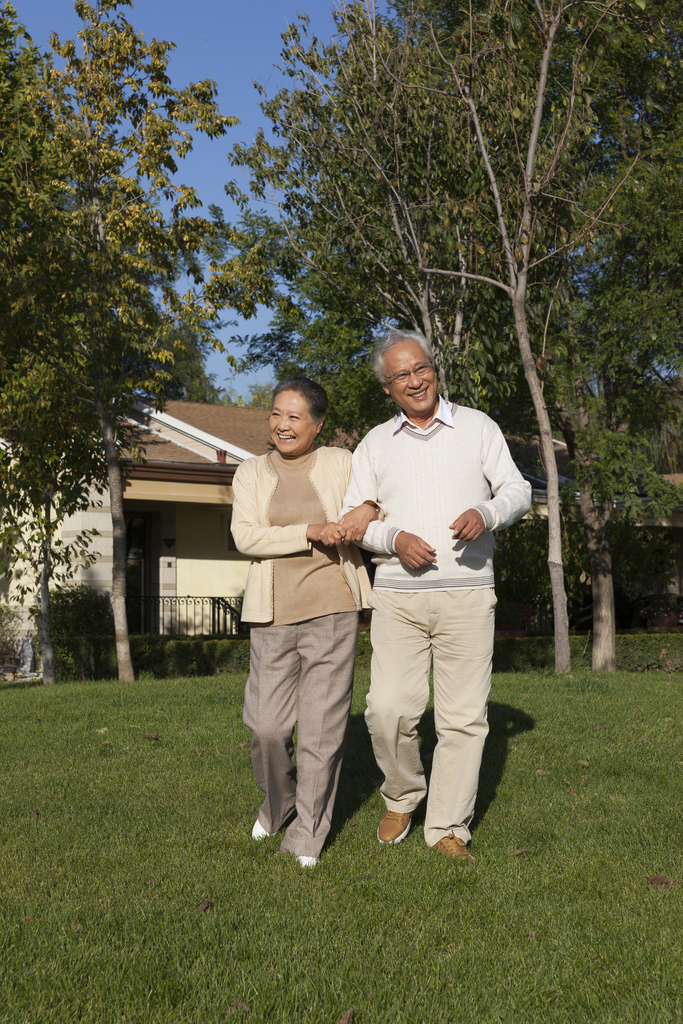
<point x="394" y="827"/>
<point x="451" y="846"/>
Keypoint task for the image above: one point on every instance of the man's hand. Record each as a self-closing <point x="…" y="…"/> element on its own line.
<point x="355" y="523"/>
<point x="328" y="534"/>
<point x="469" y="526"/>
<point x="413" y="551"/>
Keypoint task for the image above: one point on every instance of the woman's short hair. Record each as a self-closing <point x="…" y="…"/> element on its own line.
<point x="391" y="338"/>
<point x="315" y="395"/>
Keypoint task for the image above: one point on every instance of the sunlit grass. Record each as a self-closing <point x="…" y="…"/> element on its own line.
<point x="98" y="892"/>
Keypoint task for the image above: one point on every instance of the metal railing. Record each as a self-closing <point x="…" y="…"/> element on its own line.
<point x="185" y="616"/>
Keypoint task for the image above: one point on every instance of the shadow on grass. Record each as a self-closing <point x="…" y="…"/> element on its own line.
<point x="504" y="723"/>
<point x="20" y="684"/>
<point x="360" y="775"/>
<point x="359" y="778"/>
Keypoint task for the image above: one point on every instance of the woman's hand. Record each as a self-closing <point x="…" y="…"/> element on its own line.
<point x="328" y="534"/>
<point x="355" y="523"/>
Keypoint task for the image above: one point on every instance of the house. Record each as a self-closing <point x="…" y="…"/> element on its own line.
<point x="184" y="573"/>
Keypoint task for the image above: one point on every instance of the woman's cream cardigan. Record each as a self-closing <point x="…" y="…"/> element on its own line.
<point x="253" y="488"/>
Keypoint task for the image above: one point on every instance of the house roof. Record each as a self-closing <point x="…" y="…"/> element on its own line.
<point x="156" y="448"/>
<point x="527" y="456"/>
<point x="246" y="428"/>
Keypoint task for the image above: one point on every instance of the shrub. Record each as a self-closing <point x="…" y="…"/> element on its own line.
<point x="10" y="620"/>
<point x="80" y="611"/>
<point x="82" y="626"/>
<point x="168" y="656"/>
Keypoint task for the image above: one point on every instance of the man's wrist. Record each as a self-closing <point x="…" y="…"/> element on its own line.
<point x="392" y="534"/>
<point x="486" y="515"/>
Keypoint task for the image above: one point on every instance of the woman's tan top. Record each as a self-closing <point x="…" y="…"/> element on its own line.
<point x="310" y="584"/>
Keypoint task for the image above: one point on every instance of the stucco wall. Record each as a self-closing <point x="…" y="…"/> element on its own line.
<point x="206" y="565"/>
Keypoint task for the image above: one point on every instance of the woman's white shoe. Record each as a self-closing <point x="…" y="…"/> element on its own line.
<point x="258" y="831"/>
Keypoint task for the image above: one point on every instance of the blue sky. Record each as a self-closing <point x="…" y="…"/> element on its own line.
<point x="231" y="42"/>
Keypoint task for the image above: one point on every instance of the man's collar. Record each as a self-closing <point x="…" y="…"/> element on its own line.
<point x="443" y="415"/>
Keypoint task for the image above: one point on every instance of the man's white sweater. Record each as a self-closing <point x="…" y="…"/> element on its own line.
<point x="422" y="481"/>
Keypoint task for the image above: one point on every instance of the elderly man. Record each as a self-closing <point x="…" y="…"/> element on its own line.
<point x="443" y="479"/>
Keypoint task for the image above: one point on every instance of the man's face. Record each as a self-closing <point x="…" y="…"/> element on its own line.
<point x="417" y="395"/>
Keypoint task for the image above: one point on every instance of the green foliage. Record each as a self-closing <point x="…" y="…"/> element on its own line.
<point x="188" y="380"/>
<point x="9" y="634"/>
<point x="644" y="558"/>
<point x="93" y="655"/>
<point x="163" y="657"/>
<point x="375" y="189"/>
<point x="636" y="652"/>
<point x="80" y="611"/>
<point x="51" y="467"/>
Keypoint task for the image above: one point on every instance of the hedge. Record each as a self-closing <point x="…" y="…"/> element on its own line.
<point x="164" y="656"/>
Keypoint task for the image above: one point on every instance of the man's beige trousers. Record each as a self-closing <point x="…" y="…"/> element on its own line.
<point x="300" y="673"/>
<point x="453" y="629"/>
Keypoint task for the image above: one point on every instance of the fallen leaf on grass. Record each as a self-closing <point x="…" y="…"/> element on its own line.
<point x="540" y="773"/>
<point x="662" y="882"/>
<point x="37" y="721"/>
<point x="531" y="935"/>
<point x="203" y="907"/>
<point x="35" y="814"/>
<point x="522" y="852"/>
<point x="584" y="778"/>
<point x="584" y="764"/>
<point x="102" y="730"/>
<point x="152" y="736"/>
<point x="571" y="792"/>
<point x="645" y="739"/>
<point x="245" y="743"/>
<point x="347" y="1018"/>
<point x="603" y="725"/>
<point x="236" y="1007"/>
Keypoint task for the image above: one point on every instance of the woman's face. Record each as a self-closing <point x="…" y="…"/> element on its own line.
<point x="292" y="427"/>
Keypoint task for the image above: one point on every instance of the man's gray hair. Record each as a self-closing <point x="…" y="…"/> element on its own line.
<point x="391" y="338"/>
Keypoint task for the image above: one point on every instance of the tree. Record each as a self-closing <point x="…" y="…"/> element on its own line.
<point x="486" y="139"/>
<point x="50" y="467"/>
<point x="49" y="463"/>
<point x="188" y="380"/>
<point x="356" y="218"/>
<point x="613" y="391"/>
<point x="105" y="293"/>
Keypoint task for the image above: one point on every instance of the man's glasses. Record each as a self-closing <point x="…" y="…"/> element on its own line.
<point x="421" y="370"/>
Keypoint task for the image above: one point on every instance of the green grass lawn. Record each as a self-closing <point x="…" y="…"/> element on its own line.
<point x="98" y="892"/>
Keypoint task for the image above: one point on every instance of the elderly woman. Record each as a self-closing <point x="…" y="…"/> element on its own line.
<point x="304" y="590"/>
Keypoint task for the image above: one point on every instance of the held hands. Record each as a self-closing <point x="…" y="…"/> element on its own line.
<point x="413" y="551"/>
<point x="328" y="534"/>
<point x="469" y="526"/>
<point x="355" y="523"/>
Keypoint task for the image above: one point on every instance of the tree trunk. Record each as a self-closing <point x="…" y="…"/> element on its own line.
<point x="555" y="567"/>
<point x="46" y="652"/>
<point x="597" y="525"/>
<point x="118" y="569"/>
